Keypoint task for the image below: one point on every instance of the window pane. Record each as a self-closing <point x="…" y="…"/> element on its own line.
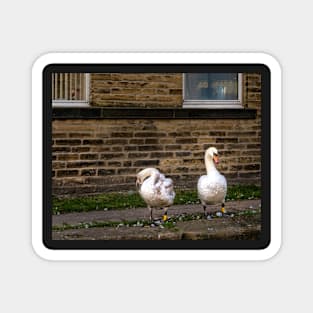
<point x="69" y="86"/>
<point x="211" y="86"/>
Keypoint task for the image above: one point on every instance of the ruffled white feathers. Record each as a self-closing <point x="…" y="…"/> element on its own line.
<point x="212" y="188"/>
<point x="155" y="189"/>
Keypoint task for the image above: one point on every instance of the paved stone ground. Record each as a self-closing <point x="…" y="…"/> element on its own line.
<point x="231" y="226"/>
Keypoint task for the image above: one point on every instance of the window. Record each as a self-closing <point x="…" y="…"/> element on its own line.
<point x="212" y="90"/>
<point x="70" y="89"/>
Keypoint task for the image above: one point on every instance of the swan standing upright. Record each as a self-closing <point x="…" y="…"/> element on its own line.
<point x="155" y="189"/>
<point x="212" y="188"/>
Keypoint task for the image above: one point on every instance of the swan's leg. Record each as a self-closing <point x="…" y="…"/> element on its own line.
<point x="204" y="210"/>
<point x="165" y="215"/>
<point x="223" y="208"/>
<point x="150" y="211"/>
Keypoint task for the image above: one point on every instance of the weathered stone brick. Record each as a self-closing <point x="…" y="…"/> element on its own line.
<point x="68" y="157"/>
<point x="58" y="165"/>
<point x="64" y="173"/>
<point x="110" y="156"/>
<point x="117" y="148"/>
<point x="172" y="147"/>
<point x="126" y="171"/>
<point x="88" y="172"/>
<point x="122" y="134"/>
<point x="179" y="134"/>
<point x="114" y="163"/>
<point x="80" y="149"/>
<point x="82" y="164"/>
<point x="130" y="148"/>
<point x="181" y="169"/>
<point x="146" y="163"/>
<point x="136" y="141"/>
<point x="161" y="154"/>
<point x="252" y="167"/>
<point x="116" y="142"/>
<point x="217" y="133"/>
<point x="89" y="156"/>
<point x="151" y="141"/>
<point x="60" y="149"/>
<point x="104" y="180"/>
<point x="68" y="142"/>
<point x="150" y="148"/>
<point x="253" y="146"/>
<point x="175" y="91"/>
<point x="133" y="155"/>
<point x="150" y="134"/>
<point x="104" y="171"/>
<point x="93" y="142"/>
<point x="183" y="153"/>
<point x="186" y="140"/>
<point x="80" y="135"/>
<point x="226" y="139"/>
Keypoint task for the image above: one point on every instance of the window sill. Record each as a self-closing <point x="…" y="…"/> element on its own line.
<point x="147" y="113"/>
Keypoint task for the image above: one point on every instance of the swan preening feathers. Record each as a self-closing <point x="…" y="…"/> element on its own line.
<point x="155" y="189"/>
<point x="158" y="191"/>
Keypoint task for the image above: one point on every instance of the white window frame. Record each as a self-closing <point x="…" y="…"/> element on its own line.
<point x="214" y="104"/>
<point x="75" y="103"/>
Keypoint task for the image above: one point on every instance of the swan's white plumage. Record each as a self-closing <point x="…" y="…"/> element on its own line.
<point x="212" y="188"/>
<point x="155" y="189"/>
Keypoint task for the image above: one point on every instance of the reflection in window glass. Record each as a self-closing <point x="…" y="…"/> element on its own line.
<point x="211" y="86"/>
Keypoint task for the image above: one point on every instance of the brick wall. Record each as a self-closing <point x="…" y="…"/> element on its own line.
<point x="97" y="155"/>
<point x="136" y="90"/>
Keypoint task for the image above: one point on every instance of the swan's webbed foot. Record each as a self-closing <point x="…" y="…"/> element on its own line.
<point x="206" y="214"/>
<point x="223" y="208"/>
<point x="150" y="210"/>
<point x="204" y="211"/>
<point x="165" y="218"/>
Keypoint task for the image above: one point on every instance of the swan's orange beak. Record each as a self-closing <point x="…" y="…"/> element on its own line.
<point x="216" y="159"/>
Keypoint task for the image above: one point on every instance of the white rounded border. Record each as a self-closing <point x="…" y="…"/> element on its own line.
<point x="167" y="58"/>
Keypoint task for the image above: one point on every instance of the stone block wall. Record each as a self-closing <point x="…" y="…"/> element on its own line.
<point x="92" y="156"/>
<point x="136" y="90"/>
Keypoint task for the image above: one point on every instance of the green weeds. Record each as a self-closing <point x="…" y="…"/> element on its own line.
<point x="127" y="200"/>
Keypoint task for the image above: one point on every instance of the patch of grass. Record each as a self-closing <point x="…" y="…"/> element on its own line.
<point x="127" y="200"/>
<point x="108" y="201"/>
<point x="243" y="192"/>
<point x="101" y="224"/>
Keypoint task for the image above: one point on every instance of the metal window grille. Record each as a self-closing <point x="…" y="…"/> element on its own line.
<point x="70" y="88"/>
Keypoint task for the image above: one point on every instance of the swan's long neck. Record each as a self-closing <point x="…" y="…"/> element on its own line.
<point x="150" y="172"/>
<point x="209" y="164"/>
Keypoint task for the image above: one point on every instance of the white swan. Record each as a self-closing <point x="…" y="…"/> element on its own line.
<point x="212" y="188"/>
<point x="156" y="190"/>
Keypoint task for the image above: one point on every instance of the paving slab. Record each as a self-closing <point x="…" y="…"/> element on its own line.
<point x="233" y="225"/>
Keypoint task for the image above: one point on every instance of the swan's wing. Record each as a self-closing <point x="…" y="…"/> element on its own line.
<point x="168" y="183"/>
<point x="212" y="189"/>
